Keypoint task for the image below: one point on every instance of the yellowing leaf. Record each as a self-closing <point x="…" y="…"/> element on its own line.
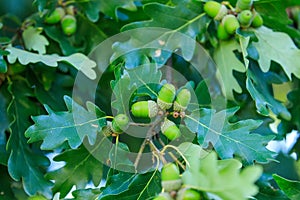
<point x="223" y="178"/>
<point x="77" y="60"/>
<point x="34" y="40"/>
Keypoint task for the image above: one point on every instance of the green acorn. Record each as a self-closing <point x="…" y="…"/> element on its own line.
<point x="243" y="5"/>
<point x="163" y="196"/>
<point x="222" y="33"/>
<point x="230" y="24"/>
<point x="69" y="24"/>
<point x="188" y="194"/>
<point x="144" y="109"/>
<point x="245" y="18"/>
<point x="215" y="10"/>
<point x="55" y="16"/>
<point x="170" y="177"/>
<point x="257" y="20"/>
<point x="166" y="96"/>
<point x="170" y="130"/>
<point x="120" y="123"/>
<point x="182" y="100"/>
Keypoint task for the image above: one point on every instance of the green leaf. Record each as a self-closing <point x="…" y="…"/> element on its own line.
<point x="4" y="125"/>
<point x="3" y="64"/>
<point x="294" y="98"/>
<point x="131" y="80"/>
<point x="230" y="139"/>
<point x="77" y="60"/>
<point x="244" y="42"/>
<point x="72" y="126"/>
<point x="289" y="187"/>
<point x="275" y="15"/>
<point x="267" y="191"/>
<point x="80" y="168"/>
<point x="6" y="185"/>
<point x="278" y="47"/>
<point x="125" y="186"/>
<point x="34" y="40"/>
<point x="224" y="178"/>
<point x="92" y="8"/>
<point x="23" y="162"/>
<point x="184" y="18"/>
<point x="119" y="157"/>
<point x="273" y="9"/>
<point x="42" y="4"/>
<point x="60" y="85"/>
<point x="258" y="85"/>
<point x="86" y="194"/>
<point x="226" y="62"/>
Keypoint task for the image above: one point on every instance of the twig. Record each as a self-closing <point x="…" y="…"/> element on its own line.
<point x="149" y="135"/>
<point x="172" y="155"/>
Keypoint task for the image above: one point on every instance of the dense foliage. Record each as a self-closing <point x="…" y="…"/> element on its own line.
<point x="149" y="99"/>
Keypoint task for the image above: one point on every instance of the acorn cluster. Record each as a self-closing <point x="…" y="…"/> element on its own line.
<point x="66" y="18"/>
<point x="167" y="102"/>
<point x="229" y="20"/>
<point x="172" y="185"/>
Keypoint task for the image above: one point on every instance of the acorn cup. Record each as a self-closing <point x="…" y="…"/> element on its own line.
<point x="163" y="196"/>
<point x="55" y="16"/>
<point x="188" y="194"/>
<point x="243" y="5"/>
<point x="215" y="10"/>
<point x="170" y="177"/>
<point x="170" y="130"/>
<point x="120" y="123"/>
<point x="245" y="18"/>
<point x="144" y="109"/>
<point x="182" y="100"/>
<point x="166" y="96"/>
<point x="107" y="130"/>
